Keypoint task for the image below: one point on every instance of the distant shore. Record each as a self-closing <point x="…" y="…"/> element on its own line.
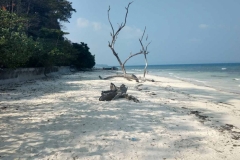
<point x="61" y="118"/>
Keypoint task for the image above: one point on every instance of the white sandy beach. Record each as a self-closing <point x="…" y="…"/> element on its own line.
<point x="61" y="118"/>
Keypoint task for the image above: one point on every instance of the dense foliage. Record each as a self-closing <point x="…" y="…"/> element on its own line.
<point x="31" y="35"/>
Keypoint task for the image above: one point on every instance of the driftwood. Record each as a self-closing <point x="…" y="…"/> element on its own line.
<point x="115" y="93"/>
<point x="127" y="76"/>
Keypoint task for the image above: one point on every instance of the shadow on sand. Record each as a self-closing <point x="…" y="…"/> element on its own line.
<point x="61" y="117"/>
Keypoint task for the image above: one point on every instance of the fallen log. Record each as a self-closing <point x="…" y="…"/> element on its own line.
<point x="107" y="95"/>
<point x="115" y="93"/>
<point x="127" y="76"/>
<point x="142" y="79"/>
<point x="130" y="97"/>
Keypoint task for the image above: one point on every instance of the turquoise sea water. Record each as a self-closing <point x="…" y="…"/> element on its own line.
<point x="225" y="77"/>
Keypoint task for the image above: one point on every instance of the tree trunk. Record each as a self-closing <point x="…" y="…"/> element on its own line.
<point x="145" y="69"/>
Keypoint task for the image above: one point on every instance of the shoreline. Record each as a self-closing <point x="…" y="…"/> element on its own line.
<point x="61" y="117"/>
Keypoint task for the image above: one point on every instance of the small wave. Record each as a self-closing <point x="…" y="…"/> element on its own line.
<point x="170" y="73"/>
<point x="191" y="80"/>
<point x="200" y="81"/>
<point x="194" y="80"/>
<point x="137" y="70"/>
<point x="177" y="77"/>
<point x="236" y="79"/>
<point x="224" y="68"/>
<point x="217" y="76"/>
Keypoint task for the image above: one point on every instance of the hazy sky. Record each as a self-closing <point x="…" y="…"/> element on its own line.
<point x="181" y="31"/>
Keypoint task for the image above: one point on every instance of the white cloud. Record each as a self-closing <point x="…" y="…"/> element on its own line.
<point x="82" y="22"/>
<point x="203" y="26"/>
<point x="126" y="33"/>
<point x="96" y="26"/>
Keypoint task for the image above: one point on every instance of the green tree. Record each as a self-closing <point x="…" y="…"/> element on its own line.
<point x="82" y="56"/>
<point x="53" y="49"/>
<point x="46" y="14"/>
<point x="31" y="35"/>
<point x="15" y="46"/>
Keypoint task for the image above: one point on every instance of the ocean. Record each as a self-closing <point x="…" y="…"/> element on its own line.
<point x="224" y="77"/>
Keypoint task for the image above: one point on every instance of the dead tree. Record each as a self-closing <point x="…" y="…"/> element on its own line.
<point x="111" y="44"/>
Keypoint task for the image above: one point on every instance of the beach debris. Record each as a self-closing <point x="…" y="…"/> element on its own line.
<point x="153" y="94"/>
<point x="3" y="107"/>
<point x="137" y="87"/>
<point x="133" y="139"/>
<point x="227" y="127"/>
<point x="197" y="114"/>
<point x="144" y="89"/>
<point x="115" y="93"/>
<point x="232" y="130"/>
<point x="146" y="79"/>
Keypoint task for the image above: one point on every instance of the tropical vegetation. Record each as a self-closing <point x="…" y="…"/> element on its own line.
<point x="31" y="35"/>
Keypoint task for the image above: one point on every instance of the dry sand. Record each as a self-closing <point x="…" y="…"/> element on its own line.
<point x="62" y="118"/>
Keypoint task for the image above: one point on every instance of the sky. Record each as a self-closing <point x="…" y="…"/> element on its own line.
<point x="180" y="31"/>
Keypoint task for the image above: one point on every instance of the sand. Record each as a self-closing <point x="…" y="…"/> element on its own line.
<point x="61" y="118"/>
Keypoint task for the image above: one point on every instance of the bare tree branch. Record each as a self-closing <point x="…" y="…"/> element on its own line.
<point x="110" y="21"/>
<point x="143" y="33"/>
<point x="125" y="21"/>
<point x="145" y="52"/>
<point x="115" y="34"/>
<point x="141" y="45"/>
<point x="147" y="46"/>
<point x="142" y="51"/>
<point x="132" y="55"/>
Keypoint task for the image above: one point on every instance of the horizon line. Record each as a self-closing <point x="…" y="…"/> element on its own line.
<point x="175" y="64"/>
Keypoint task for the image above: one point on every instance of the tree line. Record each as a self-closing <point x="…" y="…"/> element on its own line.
<point x="31" y="35"/>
